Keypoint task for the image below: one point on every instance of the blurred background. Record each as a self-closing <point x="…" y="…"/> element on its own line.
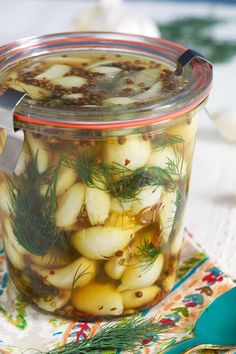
<point x="206" y="26"/>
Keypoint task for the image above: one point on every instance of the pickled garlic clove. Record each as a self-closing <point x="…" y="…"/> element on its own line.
<point x="99" y="63"/>
<point x="52" y="303"/>
<point x="118" y="101"/>
<point x="5" y="202"/>
<point x="139" y="297"/>
<point x="15" y="258"/>
<point x="121" y="221"/>
<point x="70" y="81"/>
<point x="72" y="96"/>
<point x="106" y="70"/>
<point x="100" y="242"/>
<point x="66" y="178"/>
<point x="146" y="76"/>
<point x="153" y="93"/>
<point x="97" y="205"/>
<point x="176" y="242"/>
<point x="120" y="207"/>
<point x="50" y="259"/>
<point x="3" y="138"/>
<point x="39" y="148"/>
<point x="98" y="299"/>
<point x="55" y="71"/>
<point x="147" y="197"/>
<point x="187" y="130"/>
<point x="116" y="265"/>
<point x="12" y="238"/>
<point x="78" y="273"/>
<point x="69" y="205"/>
<point x="168" y="282"/>
<point x="167" y="213"/>
<point x="169" y="159"/>
<point x="139" y="276"/>
<point x="23" y="161"/>
<point x="134" y="153"/>
<point x="66" y="60"/>
<point x="35" y="92"/>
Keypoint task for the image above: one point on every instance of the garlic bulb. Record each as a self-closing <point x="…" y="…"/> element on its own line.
<point x="109" y="15"/>
<point x="225" y="121"/>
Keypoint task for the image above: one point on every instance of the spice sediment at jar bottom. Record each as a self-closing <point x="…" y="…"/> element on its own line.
<point x="93" y="227"/>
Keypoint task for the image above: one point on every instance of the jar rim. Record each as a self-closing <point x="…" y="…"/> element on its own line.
<point x="199" y="72"/>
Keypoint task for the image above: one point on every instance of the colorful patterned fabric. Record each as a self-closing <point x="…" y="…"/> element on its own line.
<point x="199" y="282"/>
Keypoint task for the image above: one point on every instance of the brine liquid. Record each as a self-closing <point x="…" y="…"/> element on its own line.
<point x="93" y="228"/>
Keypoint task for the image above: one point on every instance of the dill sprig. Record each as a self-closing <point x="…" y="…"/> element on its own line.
<point x="161" y="141"/>
<point x="128" y="335"/>
<point x="33" y="215"/>
<point x="149" y="253"/>
<point x="119" y="181"/>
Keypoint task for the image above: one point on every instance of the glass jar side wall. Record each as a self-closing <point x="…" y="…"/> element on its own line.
<point x="93" y="228"/>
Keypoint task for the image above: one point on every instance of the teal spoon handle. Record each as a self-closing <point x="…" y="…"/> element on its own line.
<point x="182" y="346"/>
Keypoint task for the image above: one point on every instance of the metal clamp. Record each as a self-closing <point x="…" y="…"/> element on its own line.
<point x="15" y="139"/>
<point x="186" y="58"/>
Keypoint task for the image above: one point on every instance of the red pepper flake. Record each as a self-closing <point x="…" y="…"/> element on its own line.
<point x="52" y="272"/>
<point x="139" y="294"/>
<point x="113" y="308"/>
<point x="127" y="161"/>
<point x="119" y="253"/>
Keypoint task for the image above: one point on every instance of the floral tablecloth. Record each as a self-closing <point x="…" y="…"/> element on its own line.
<point x="200" y="281"/>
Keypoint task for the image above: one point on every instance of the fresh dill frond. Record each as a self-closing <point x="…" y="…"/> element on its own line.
<point x="161" y="141"/>
<point x="32" y="216"/>
<point x="126" y="336"/>
<point x="148" y="253"/>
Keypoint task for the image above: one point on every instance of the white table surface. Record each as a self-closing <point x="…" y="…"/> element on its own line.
<point x="211" y="211"/>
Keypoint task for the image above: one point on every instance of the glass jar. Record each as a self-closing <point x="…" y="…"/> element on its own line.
<point x="96" y="160"/>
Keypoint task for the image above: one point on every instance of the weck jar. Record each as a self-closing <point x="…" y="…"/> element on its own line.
<point x="97" y="137"/>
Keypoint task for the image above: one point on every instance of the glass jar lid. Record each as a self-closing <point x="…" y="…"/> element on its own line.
<point x="102" y="81"/>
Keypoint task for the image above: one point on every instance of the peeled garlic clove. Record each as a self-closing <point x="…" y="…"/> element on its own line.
<point x="97" y="205"/>
<point x="41" y="149"/>
<point x="98" y="299"/>
<point x="23" y="161"/>
<point x="99" y="63"/>
<point x="69" y="205"/>
<point x="116" y="266"/>
<point x="147" y="197"/>
<point x="186" y="130"/>
<point x="70" y="81"/>
<point x="138" y="276"/>
<point x="49" y="259"/>
<point x="55" y="71"/>
<point x="149" y="94"/>
<point x="12" y="238"/>
<point x="72" y="96"/>
<point x="78" y="273"/>
<point x="169" y="282"/>
<point x="15" y="258"/>
<point x="52" y="303"/>
<point x="163" y="158"/>
<point x="118" y="101"/>
<point x="107" y="70"/>
<point x="120" y="207"/>
<point x="34" y="92"/>
<point x="167" y="213"/>
<point x="5" y="203"/>
<point x="3" y="138"/>
<point x="139" y="297"/>
<point x="67" y="61"/>
<point x="99" y="242"/>
<point x="66" y="178"/>
<point x="134" y="153"/>
<point x="121" y="221"/>
<point x="177" y="241"/>
<point x="146" y="76"/>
